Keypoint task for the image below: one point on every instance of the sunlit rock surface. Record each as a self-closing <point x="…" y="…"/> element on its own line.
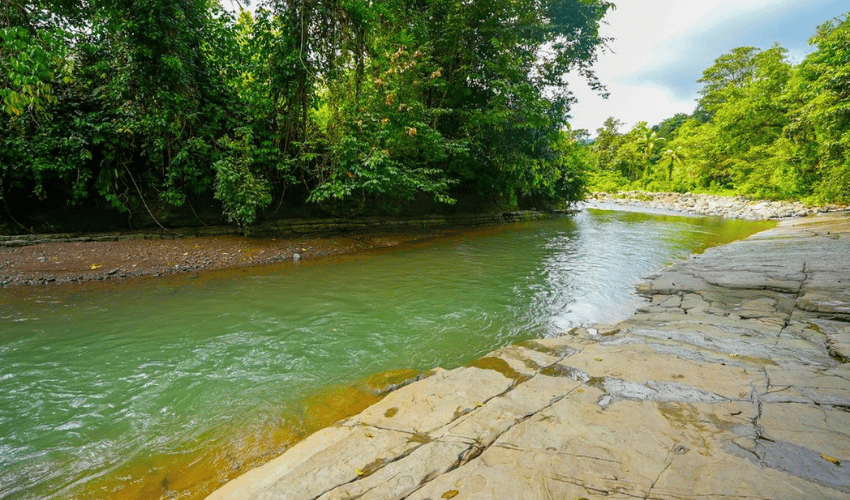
<point x="732" y="382"/>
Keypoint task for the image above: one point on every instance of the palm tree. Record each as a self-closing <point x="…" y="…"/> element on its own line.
<point x="672" y="156"/>
<point x="648" y="141"/>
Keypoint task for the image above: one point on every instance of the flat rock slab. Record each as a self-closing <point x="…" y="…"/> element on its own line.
<point x="732" y="382"/>
<point x="424" y="407"/>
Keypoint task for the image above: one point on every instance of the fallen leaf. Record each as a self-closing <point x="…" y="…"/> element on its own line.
<point x="359" y="472"/>
<point x="830" y="459"/>
<point x="95" y="266"/>
<point x="450" y="494"/>
<point x="479" y="404"/>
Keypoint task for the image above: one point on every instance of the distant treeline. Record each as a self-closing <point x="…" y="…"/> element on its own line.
<point x="762" y="127"/>
<point x="341" y="104"/>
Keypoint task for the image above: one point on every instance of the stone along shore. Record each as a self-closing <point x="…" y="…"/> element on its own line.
<point x="733" y="207"/>
<point x="733" y="382"/>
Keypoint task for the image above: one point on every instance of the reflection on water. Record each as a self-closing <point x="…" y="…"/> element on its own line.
<point x="167" y="388"/>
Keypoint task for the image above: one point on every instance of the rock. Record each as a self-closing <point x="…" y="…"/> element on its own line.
<point x="326" y="459"/>
<point x="738" y="207"/>
<point x="425" y="406"/>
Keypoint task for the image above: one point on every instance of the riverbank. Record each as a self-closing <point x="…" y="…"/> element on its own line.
<point x="733" y="207"/>
<point x="39" y="259"/>
<point x="733" y="381"/>
<point x="68" y="258"/>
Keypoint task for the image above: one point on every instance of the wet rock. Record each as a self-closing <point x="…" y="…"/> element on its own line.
<point x="402" y="477"/>
<point x="323" y="461"/>
<point x="432" y="403"/>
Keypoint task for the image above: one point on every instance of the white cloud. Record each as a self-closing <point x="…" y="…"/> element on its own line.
<point x="628" y="103"/>
<point x="652" y="37"/>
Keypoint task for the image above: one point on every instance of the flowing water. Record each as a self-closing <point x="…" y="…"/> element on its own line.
<point x="167" y="388"/>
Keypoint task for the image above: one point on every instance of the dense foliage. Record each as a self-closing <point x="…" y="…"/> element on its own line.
<point x="762" y="127"/>
<point x="337" y="103"/>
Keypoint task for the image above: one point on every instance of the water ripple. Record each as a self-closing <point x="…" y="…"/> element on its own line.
<point x="117" y="384"/>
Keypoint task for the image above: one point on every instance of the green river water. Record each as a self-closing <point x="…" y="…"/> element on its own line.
<point x="166" y="388"/>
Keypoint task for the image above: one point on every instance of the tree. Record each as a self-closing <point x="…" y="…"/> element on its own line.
<point x="729" y="73"/>
<point x="649" y="142"/>
<point x="818" y="142"/>
<point x="668" y="128"/>
<point x="144" y="105"/>
<point x="607" y="143"/>
<point x="672" y="157"/>
<point x="464" y="93"/>
<point x="761" y="127"/>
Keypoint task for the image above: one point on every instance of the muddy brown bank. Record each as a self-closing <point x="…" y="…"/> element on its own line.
<point x="36" y="259"/>
<point x="733" y="382"/>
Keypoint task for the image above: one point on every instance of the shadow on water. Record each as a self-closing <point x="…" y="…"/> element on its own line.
<point x="168" y="388"/>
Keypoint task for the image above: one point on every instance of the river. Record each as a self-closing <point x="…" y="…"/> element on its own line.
<point x="166" y="388"/>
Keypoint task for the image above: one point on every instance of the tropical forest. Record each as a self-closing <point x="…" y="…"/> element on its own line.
<point x="323" y="106"/>
<point x="124" y="111"/>
<point x="762" y="127"/>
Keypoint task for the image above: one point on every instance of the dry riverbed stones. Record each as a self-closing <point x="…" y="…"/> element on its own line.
<point x="733" y="207"/>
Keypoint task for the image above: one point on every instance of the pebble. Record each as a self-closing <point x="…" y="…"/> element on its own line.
<point x="732" y="207"/>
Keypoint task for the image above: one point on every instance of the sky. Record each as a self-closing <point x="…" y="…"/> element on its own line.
<point x="661" y="48"/>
